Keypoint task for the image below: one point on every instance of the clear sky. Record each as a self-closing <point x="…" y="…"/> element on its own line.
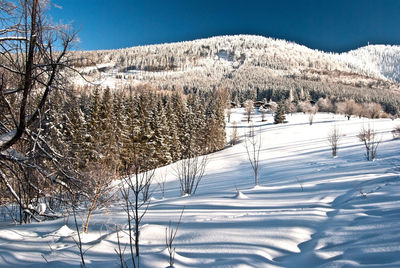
<point x="329" y="25"/>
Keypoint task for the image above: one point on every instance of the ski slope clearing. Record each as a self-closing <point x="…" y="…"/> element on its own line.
<point x="309" y="209"/>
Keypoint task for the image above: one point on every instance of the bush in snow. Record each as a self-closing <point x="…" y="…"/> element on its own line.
<point x="369" y="138"/>
<point x="396" y="132"/>
<point x="333" y="138"/>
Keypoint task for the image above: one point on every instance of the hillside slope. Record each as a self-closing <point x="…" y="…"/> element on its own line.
<point x="252" y="67"/>
<point x="383" y="60"/>
<point x="309" y="210"/>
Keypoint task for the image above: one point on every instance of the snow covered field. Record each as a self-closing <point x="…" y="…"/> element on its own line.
<point x="309" y="209"/>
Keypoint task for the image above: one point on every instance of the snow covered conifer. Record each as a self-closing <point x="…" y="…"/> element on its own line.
<point x="280" y="116"/>
<point x="159" y="126"/>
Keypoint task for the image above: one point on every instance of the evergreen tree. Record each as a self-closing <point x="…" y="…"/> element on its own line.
<point x="172" y="138"/>
<point x="160" y="134"/>
<point x="93" y="127"/>
<point x="129" y="131"/>
<point x="118" y="125"/>
<point x="280" y="116"/>
<point x="106" y="135"/>
<point x="76" y="128"/>
<point x="215" y="123"/>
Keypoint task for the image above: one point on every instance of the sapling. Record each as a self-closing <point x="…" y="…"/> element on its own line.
<point x="333" y="138"/>
<point x="170" y="234"/>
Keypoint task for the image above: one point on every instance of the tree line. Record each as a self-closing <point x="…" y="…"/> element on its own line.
<point x="102" y="134"/>
<point x="107" y="126"/>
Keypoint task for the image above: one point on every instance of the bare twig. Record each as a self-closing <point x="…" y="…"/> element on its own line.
<point x="170" y="234"/>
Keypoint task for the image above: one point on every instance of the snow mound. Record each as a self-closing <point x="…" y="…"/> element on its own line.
<point x="240" y="195"/>
<point x="64" y="231"/>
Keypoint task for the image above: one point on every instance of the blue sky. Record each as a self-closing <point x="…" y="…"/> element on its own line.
<point x="329" y="25"/>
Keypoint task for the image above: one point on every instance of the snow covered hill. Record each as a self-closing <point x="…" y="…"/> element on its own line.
<point x="250" y="66"/>
<point x="309" y="209"/>
<point x="383" y="60"/>
<point x="281" y="57"/>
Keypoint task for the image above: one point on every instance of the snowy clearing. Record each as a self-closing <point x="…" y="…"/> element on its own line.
<point x="309" y="209"/>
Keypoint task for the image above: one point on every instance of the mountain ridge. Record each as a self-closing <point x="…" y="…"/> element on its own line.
<point x="251" y="63"/>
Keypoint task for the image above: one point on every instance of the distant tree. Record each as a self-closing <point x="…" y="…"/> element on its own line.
<point x="312" y="113"/>
<point x="305" y="107"/>
<point x="325" y="105"/>
<point x="348" y="108"/>
<point x="290" y="107"/>
<point x="216" y="122"/>
<point x="280" y="117"/>
<point x="234" y="134"/>
<point x="371" y="110"/>
<point x="249" y="108"/>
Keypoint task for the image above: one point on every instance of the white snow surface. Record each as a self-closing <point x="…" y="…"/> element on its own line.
<point x="309" y="209"/>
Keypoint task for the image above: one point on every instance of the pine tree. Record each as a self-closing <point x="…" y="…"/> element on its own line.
<point x="216" y="123"/>
<point x="143" y="142"/>
<point x="118" y="125"/>
<point x="106" y="135"/>
<point x="159" y="126"/>
<point x="93" y="120"/>
<point x="177" y="110"/>
<point x="76" y="127"/>
<point x="172" y="138"/>
<point x="129" y="131"/>
<point x="280" y="116"/>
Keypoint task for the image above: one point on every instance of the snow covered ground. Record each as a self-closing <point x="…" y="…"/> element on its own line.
<point x="309" y="209"/>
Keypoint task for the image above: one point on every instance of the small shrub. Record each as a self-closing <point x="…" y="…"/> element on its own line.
<point x="369" y="138"/>
<point x="396" y="132"/>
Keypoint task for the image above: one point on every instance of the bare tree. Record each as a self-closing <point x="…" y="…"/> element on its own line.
<point x="253" y="147"/>
<point x="369" y="138"/>
<point x="334" y="137"/>
<point x="135" y="185"/>
<point x="119" y="251"/>
<point x="348" y="108"/>
<point x="33" y="64"/>
<point x="234" y="137"/>
<point x="161" y="181"/>
<point x="190" y="171"/>
<point x="312" y="113"/>
<point x="249" y="107"/>
<point x="263" y="115"/>
<point x="325" y="105"/>
<point x="79" y="242"/>
<point x="304" y="107"/>
<point x="99" y="190"/>
<point x="371" y="110"/>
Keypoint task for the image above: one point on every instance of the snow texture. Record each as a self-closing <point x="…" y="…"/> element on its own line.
<point x="309" y="210"/>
